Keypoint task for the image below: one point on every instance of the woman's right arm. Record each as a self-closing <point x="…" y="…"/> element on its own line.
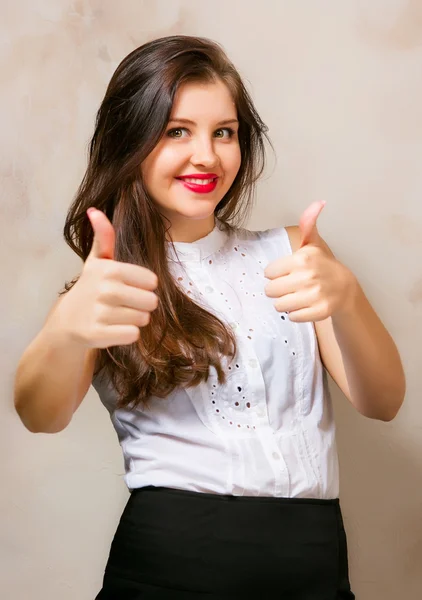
<point x="52" y="378"/>
<point x="106" y="307"/>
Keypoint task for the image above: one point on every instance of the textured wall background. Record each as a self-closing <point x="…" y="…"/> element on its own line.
<point x="340" y="86"/>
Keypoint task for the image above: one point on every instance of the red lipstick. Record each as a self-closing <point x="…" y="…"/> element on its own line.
<point x="191" y="182"/>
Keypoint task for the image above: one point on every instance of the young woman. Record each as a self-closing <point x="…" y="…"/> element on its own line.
<point x="207" y="342"/>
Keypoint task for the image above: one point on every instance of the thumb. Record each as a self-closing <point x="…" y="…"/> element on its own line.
<point x="104" y="235"/>
<point x="307" y="224"/>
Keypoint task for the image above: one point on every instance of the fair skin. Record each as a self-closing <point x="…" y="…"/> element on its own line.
<point x="112" y="301"/>
<point x="107" y="307"/>
<point x="201" y="138"/>
<point x="356" y="349"/>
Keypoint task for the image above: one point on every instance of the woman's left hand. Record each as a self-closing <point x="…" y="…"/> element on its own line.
<point x="311" y="284"/>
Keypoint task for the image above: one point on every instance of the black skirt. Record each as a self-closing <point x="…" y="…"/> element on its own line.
<point x="175" y="545"/>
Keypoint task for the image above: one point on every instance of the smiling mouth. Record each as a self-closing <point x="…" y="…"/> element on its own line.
<point x="197" y="181"/>
<point x="201" y="184"/>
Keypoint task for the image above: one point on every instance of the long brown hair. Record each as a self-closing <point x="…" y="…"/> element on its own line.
<point x="183" y="339"/>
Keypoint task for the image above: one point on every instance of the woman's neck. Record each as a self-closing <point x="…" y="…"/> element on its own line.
<point x="191" y="230"/>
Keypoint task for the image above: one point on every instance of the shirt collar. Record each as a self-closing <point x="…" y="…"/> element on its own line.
<point x="200" y="249"/>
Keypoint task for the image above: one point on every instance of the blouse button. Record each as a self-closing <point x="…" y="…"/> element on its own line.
<point x="253" y="363"/>
<point x="276" y="456"/>
<point x="260" y="412"/>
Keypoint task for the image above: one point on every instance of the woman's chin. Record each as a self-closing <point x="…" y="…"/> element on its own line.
<point x="197" y="212"/>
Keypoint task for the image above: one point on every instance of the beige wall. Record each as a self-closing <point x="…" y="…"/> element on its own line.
<point x="340" y="86"/>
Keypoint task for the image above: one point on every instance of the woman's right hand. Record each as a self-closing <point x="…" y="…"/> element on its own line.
<point x="111" y="300"/>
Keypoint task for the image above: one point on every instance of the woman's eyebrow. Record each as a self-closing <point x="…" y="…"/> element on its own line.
<point x="190" y="122"/>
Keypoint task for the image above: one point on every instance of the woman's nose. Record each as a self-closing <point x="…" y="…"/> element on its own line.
<point x="204" y="154"/>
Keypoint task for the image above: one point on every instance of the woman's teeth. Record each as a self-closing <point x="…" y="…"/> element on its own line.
<point x="199" y="181"/>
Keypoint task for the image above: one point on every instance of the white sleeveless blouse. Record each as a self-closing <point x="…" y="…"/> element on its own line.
<point x="269" y="431"/>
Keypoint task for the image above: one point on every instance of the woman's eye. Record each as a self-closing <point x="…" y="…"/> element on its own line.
<point x="181" y="132"/>
<point x="176" y="133"/>
<point x="225" y="133"/>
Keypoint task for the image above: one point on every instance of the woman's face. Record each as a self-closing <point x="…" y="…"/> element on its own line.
<point x="195" y="163"/>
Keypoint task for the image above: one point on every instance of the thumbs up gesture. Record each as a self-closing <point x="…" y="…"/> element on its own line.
<point x="311" y="284"/>
<point x="111" y="300"/>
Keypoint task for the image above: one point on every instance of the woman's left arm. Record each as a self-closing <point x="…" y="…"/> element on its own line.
<point x="355" y="347"/>
<point x="362" y="358"/>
